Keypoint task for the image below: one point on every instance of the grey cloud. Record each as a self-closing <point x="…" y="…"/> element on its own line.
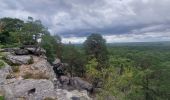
<point x="79" y="18"/>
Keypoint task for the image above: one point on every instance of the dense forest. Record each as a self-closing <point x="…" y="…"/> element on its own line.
<point x="123" y="71"/>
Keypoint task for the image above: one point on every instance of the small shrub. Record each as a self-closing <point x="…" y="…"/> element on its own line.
<point x="2" y="65"/>
<point x="35" y="76"/>
<point x="2" y="98"/>
<point x="15" y="68"/>
<point x="49" y="98"/>
<point x="27" y="76"/>
<point x="9" y="76"/>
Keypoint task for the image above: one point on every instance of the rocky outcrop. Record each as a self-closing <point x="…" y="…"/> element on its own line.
<point x="36" y="80"/>
<point x="31" y="89"/>
<point x="41" y="69"/>
<point x="18" y="60"/>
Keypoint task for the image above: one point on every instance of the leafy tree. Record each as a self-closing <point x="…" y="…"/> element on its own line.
<point x="10" y="30"/>
<point x="31" y="30"/>
<point x="59" y="46"/>
<point x="50" y="44"/>
<point x="75" y="60"/>
<point x="95" y="46"/>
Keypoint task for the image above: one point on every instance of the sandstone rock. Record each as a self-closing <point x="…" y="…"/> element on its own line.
<point x="4" y="72"/>
<point x="29" y="89"/>
<point x="36" y="50"/>
<point x="19" y="60"/>
<point x="21" y="52"/>
<point x="72" y="95"/>
<point x="41" y="69"/>
<point x="59" y="68"/>
<point x="56" y="61"/>
<point x="80" y="84"/>
<point x="64" y="80"/>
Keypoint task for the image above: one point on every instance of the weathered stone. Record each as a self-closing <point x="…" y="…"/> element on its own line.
<point x="36" y="50"/>
<point x="56" y="61"/>
<point x="19" y="60"/>
<point x="64" y="80"/>
<point x="29" y="89"/>
<point x="21" y="52"/>
<point x="59" y="68"/>
<point x="4" y="72"/>
<point x="72" y="95"/>
<point x="80" y="84"/>
<point x="39" y="70"/>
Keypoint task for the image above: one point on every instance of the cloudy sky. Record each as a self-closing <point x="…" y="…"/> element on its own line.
<point x="116" y="20"/>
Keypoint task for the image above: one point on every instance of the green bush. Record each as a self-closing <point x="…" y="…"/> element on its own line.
<point x="15" y="68"/>
<point x="2" y="65"/>
<point x="49" y="98"/>
<point x="2" y="98"/>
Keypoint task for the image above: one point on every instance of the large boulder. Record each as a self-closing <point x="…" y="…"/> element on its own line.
<point x="59" y="68"/>
<point x="41" y="69"/>
<point x="19" y="60"/>
<point x="36" y="50"/>
<point x="21" y="52"/>
<point x="29" y="89"/>
<point x="80" y="84"/>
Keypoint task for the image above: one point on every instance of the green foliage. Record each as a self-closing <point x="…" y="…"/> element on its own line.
<point x="95" y="46"/>
<point x="50" y="98"/>
<point x="2" y="65"/>
<point x="75" y="60"/>
<point x="91" y="70"/>
<point x="52" y="46"/>
<point x="148" y="71"/>
<point x="15" y="68"/>
<point x="2" y="98"/>
<point x="15" y="31"/>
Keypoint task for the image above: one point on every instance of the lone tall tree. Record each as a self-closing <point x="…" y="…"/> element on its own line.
<point x="95" y="47"/>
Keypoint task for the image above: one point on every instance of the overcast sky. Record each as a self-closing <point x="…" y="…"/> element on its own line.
<point x="116" y="20"/>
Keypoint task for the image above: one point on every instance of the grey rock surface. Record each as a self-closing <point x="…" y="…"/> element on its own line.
<point x="19" y="60"/>
<point x="29" y="89"/>
<point x="36" y="50"/>
<point x="21" y="52"/>
<point x="40" y="69"/>
<point x="4" y="72"/>
<point x="80" y="84"/>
